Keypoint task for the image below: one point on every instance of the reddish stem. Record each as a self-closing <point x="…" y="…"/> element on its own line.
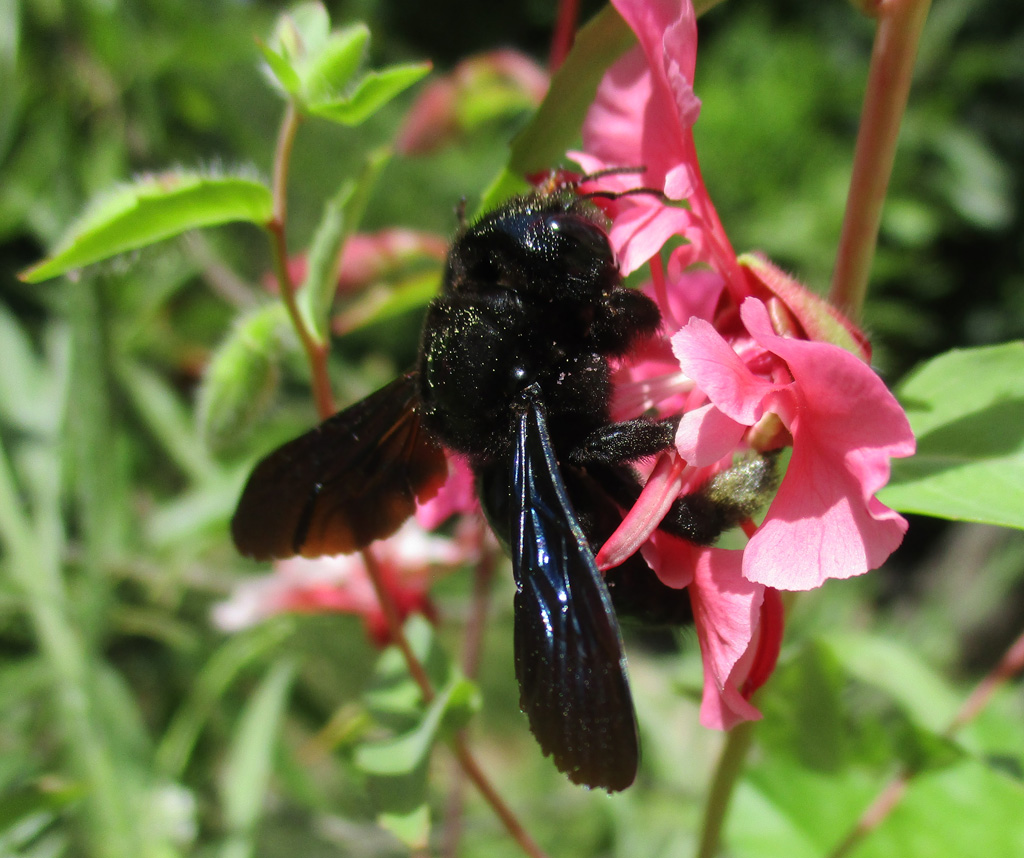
<point x="892" y="65"/>
<point x="462" y="753"/>
<point x="316" y="353"/>
<point x="1009" y="666"/>
<point x="564" y="32"/>
<point x="395" y="631"/>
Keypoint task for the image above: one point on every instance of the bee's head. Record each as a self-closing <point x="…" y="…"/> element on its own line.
<point x="543" y="247"/>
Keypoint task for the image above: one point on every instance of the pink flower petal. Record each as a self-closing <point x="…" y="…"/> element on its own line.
<point x="456" y="496"/>
<point x="693" y="292"/>
<point x="642" y="228"/>
<point x="819" y="527"/>
<point x="706" y="435"/>
<point x="711" y="362"/>
<point x="611" y="129"/>
<point x="727" y="615"/>
<point x="769" y="642"/>
<point x="661" y="489"/>
<point x="846" y="425"/>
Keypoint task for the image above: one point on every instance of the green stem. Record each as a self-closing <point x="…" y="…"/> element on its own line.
<point x="892" y="64"/>
<point x="727" y="772"/>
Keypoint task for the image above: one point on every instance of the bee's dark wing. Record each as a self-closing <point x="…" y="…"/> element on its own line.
<point x="569" y="659"/>
<point x="353" y="479"/>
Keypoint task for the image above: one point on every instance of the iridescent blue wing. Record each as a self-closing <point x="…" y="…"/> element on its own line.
<point x="569" y="659"/>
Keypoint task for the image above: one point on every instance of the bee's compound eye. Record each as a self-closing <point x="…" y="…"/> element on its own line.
<point x="580" y="243"/>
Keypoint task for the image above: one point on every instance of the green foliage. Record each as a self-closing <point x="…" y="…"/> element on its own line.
<point x="318" y="68"/>
<point x="250" y="758"/>
<point x="150" y="210"/>
<point x="825" y="752"/>
<point x="129" y="726"/>
<point x="242" y="377"/>
<point x="970" y="437"/>
<point x="342" y="214"/>
<point x="396" y="766"/>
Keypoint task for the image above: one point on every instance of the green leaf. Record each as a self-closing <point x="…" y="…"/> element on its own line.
<point x="397" y="768"/>
<point x="925" y="696"/>
<point x="491" y="100"/>
<point x="95" y="434"/>
<point x="166" y="416"/>
<point x="394" y="698"/>
<point x="17" y="805"/>
<point x="152" y="209"/>
<point x="967" y="410"/>
<point x="412" y="828"/>
<point x="967" y="810"/>
<point x="248" y="767"/>
<point x="281" y="69"/>
<point x="556" y="125"/>
<point x="377" y="307"/>
<point x="29" y="393"/>
<point x="210" y="684"/>
<point x="242" y="377"/>
<point x="803" y="709"/>
<point x="452" y="708"/>
<point x="402" y="754"/>
<point x="301" y="31"/>
<point x="374" y="90"/>
<point x="783" y="808"/>
<point x="201" y="512"/>
<point x="331" y="69"/>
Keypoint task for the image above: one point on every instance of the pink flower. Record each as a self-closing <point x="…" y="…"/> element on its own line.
<point x="751" y="361"/>
<point x="409" y="561"/>
<point x="845" y="426"/>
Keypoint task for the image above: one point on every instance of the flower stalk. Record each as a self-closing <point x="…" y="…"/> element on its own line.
<point x="892" y="66"/>
<point x="727" y="772"/>
<point x="459" y="745"/>
<point x="316" y="353"/>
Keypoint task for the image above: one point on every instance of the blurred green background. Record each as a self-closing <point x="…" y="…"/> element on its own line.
<point x="127" y="511"/>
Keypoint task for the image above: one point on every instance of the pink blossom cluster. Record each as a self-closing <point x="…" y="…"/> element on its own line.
<point x="750" y="359"/>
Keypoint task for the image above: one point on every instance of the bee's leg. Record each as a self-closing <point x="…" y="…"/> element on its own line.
<point x="728" y="498"/>
<point x="624" y="442"/>
<point x="725" y="501"/>
<point x="636" y="592"/>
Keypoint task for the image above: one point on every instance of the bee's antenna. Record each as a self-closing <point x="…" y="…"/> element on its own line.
<point x="614" y="195"/>
<point x="460" y="212"/>
<point x="609" y="171"/>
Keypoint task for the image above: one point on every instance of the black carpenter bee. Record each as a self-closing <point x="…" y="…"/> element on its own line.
<point x="513" y="374"/>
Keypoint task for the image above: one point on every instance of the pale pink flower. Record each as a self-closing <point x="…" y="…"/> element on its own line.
<point x="408" y="562"/>
<point x="845" y="425"/>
